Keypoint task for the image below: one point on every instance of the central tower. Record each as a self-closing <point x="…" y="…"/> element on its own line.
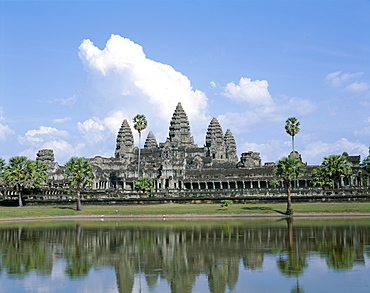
<point x="179" y="128"/>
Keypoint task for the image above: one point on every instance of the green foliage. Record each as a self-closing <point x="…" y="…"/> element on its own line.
<point x="2" y="171"/>
<point x="23" y="173"/>
<point x="79" y="172"/>
<point x="320" y="176"/>
<point x="275" y="183"/>
<point x="226" y="203"/>
<point x="289" y="168"/>
<point x="144" y="184"/>
<point x="366" y="163"/>
<point x="140" y="122"/>
<point x="292" y="128"/>
<point x="335" y="167"/>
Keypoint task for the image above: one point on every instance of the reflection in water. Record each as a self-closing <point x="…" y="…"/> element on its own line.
<point x="178" y="256"/>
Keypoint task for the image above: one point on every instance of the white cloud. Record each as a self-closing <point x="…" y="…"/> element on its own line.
<point x="339" y="79"/>
<point x="44" y="133"/>
<point x="5" y="131"/>
<point x="253" y="92"/>
<point x="66" y="101"/>
<point x="92" y="130"/>
<point x="349" y="84"/>
<point x="356" y="89"/>
<point x="317" y="150"/>
<point x="124" y="80"/>
<point x="62" y="120"/>
<point x="49" y="138"/>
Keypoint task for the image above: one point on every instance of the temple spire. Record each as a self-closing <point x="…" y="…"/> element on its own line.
<point x="179" y="131"/>
<point x="125" y="140"/>
<point x="150" y="142"/>
<point x="230" y="146"/>
<point x="215" y="146"/>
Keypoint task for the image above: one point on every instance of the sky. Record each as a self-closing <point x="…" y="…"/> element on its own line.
<point x="71" y="71"/>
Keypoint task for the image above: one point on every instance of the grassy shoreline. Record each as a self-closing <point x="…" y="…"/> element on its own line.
<point x="175" y="210"/>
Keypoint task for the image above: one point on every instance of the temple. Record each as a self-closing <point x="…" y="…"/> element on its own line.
<point x="179" y="165"/>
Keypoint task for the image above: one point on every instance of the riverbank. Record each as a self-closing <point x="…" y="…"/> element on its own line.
<point x="184" y="211"/>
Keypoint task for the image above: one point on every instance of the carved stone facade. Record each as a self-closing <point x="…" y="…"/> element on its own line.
<point x="179" y="164"/>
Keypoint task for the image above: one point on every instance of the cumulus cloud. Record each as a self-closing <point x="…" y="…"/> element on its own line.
<point x="262" y="107"/>
<point x="46" y="137"/>
<point x="92" y="130"/>
<point x="44" y="133"/>
<point x="253" y="92"/>
<point x="124" y="80"/>
<point x="5" y="130"/>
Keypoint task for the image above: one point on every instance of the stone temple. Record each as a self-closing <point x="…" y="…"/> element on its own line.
<point x="179" y="165"/>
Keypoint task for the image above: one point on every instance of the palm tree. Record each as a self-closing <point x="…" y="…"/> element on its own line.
<point x="144" y="184"/>
<point x="366" y="163"/>
<point x="22" y="173"/>
<point x="79" y="172"/>
<point x="140" y="124"/>
<point x="2" y="170"/>
<point x="289" y="168"/>
<point x="337" y="166"/>
<point x="292" y="128"/>
<point x="321" y="177"/>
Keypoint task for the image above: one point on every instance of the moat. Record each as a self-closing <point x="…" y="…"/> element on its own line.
<point x="314" y="255"/>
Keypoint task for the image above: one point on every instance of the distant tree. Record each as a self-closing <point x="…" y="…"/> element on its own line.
<point x="80" y="173"/>
<point x="289" y="168"/>
<point x="226" y="203"/>
<point x="320" y="176"/>
<point x="140" y="123"/>
<point x="366" y="163"/>
<point x="292" y="128"/>
<point x="274" y="183"/>
<point x="144" y="184"/>
<point x="336" y="166"/>
<point x="2" y="171"/>
<point x="23" y="173"/>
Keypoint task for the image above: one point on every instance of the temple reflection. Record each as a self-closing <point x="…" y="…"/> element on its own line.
<point x="179" y="252"/>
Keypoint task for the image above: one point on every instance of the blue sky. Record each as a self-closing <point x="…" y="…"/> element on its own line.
<point x="71" y="71"/>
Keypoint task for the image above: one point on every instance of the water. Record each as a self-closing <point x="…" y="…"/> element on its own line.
<point x="330" y="255"/>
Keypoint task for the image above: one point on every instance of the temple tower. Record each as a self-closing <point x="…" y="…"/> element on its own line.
<point x="230" y="146"/>
<point x="150" y="142"/>
<point x="46" y="156"/>
<point x="179" y="131"/>
<point x="215" y="145"/>
<point x="125" y="141"/>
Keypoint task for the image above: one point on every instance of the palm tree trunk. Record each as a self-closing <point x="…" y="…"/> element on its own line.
<point x="138" y="161"/>
<point x="293" y="142"/>
<point x="78" y="207"/>
<point x="20" y="202"/>
<point x="289" y="210"/>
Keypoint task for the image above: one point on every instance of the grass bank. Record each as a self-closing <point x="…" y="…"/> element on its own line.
<point x="170" y="209"/>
